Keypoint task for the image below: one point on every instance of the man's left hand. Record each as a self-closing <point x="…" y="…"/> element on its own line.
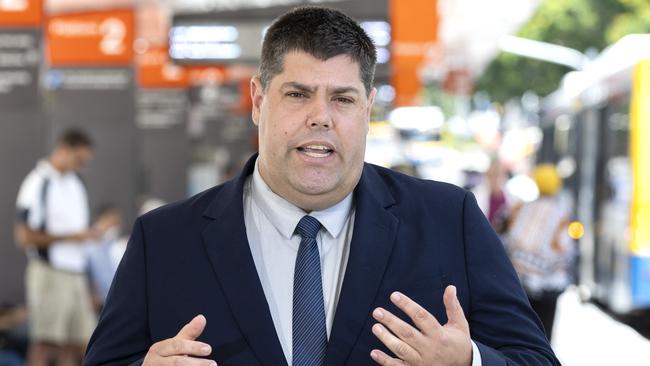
<point x="428" y="343"/>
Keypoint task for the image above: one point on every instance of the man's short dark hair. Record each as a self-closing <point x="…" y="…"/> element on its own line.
<point x="321" y="32"/>
<point x="75" y="137"/>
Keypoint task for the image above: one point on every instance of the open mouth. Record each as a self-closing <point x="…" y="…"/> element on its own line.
<point x="316" y="151"/>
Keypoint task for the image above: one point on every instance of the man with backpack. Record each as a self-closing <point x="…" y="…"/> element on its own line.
<point x="53" y="227"/>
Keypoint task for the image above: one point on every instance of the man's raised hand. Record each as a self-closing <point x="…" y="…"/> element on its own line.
<point x="429" y="342"/>
<point x="179" y="350"/>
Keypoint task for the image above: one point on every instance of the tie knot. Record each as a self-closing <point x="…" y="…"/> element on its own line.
<point x="308" y="227"/>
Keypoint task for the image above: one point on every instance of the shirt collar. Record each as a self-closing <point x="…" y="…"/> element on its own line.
<point x="49" y="169"/>
<point x="284" y="216"/>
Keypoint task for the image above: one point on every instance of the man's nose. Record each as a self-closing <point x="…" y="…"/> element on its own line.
<point x="320" y="114"/>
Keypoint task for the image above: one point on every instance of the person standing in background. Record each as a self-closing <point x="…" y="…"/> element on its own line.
<point x="53" y="228"/>
<point x="539" y="246"/>
<point x="13" y="335"/>
<point x="495" y="176"/>
<point x="105" y="256"/>
<point x="491" y="195"/>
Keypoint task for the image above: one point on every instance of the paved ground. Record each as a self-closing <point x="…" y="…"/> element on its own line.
<point x="584" y="335"/>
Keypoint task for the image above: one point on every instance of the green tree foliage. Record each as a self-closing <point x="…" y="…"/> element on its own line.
<point x="579" y="24"/>
<point x="635" y="20"/>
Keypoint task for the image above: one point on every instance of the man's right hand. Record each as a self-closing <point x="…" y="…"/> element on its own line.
<point x="27" y="237"/>
<point x="178" y="351"/>
<point x="82" y="236"/>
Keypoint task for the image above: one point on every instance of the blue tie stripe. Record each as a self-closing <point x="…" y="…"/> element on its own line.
<point x="309" y="329"/>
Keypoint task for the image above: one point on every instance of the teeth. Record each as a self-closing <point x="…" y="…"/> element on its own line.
<point x="316" y="154"/>
<point x="316" y="151"/>
<point x="317" y="147"/>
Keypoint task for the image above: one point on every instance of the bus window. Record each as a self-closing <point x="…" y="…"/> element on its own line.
<point x="613" y="184"/>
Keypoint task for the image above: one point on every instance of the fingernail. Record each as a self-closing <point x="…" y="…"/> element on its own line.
<point x="206" y="350"/>
<point x="378" y="329"/>
<point x="378" y="314"/>
<point x="374" y="354"/>
<point x="396" y="296"/>
<point x="213" y="363"/>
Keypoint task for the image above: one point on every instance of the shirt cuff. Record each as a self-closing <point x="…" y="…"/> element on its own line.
<point x="476" y="355"/>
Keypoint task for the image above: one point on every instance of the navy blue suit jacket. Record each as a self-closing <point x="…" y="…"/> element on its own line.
<point x="410" y="235"/>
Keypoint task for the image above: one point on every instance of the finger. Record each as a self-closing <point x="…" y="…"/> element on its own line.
<point x="400" y="328"/>
<point x="384" y="359"/>
<point x="182" y="347"/>
<point x="193" y="329"/>
<point x="455" y="314"/>
<point x="189" y="361"/>
<point x="400" y="348"/>
<point x="425" y="322"/>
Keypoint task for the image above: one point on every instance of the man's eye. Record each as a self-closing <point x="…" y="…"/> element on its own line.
<point x="296" y="95"/>
<point x="344" y="100"/>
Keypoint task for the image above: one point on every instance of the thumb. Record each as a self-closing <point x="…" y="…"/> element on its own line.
<point x="193" y="329"/>
<point x="455" y="315"/>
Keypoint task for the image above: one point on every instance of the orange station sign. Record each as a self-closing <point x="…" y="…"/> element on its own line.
<point x="414" y="31"/>
<point x="155" y="70"/>
<point x="21" y="13"/>
<point x="90" y="39"/>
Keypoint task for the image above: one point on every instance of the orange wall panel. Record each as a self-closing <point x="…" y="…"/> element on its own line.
<point x="21" y="13"/>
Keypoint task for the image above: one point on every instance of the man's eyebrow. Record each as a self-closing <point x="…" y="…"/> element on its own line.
<point x="345" y="90"/>
<point x="312" y="89"/>
<point x="299" y="86"/>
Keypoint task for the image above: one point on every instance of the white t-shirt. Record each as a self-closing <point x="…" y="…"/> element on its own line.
<point x="56" y="203"/>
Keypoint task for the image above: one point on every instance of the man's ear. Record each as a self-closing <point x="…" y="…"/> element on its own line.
<point x="257" y="96"/>
<point x="371" y="101"/>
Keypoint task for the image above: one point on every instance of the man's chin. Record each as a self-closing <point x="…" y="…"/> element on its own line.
<point x="314" y="189"/>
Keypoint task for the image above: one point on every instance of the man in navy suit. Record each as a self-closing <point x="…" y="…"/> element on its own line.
<point x="311" y="257"/>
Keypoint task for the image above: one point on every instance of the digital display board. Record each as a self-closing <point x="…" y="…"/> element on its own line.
<point x="241" y="41"/>
<point x="237" y="41"/>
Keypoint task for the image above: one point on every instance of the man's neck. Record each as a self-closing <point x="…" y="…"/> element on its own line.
<point x="56" y="163"/>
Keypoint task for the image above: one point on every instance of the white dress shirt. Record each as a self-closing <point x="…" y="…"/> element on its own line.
<point x="270" y="224"/>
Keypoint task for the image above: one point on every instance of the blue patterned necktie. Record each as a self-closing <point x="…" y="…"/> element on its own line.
<point x="309" y="332"/>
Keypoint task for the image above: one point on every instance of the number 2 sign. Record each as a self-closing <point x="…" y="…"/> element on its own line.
<point x="113" y="32"/>
<point x="98" y="38"/>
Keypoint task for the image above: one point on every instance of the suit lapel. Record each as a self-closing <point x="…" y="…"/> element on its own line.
<point x="227" y="246"/>
<point x="372" y="242"/>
